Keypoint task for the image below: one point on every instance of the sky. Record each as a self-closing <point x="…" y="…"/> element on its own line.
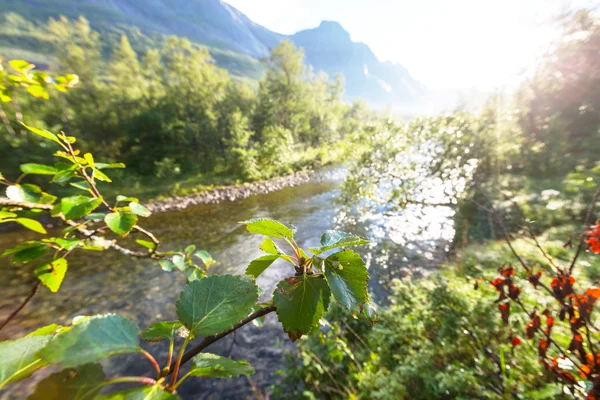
<point x="446" y="44"/>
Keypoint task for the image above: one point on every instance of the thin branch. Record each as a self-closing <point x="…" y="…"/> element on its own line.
<point x="152" y="361"/>
<point x="207" y="341"/>
<point x="14" y="313"/>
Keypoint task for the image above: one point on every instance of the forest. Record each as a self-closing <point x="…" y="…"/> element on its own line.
<point x="491" y="295"/>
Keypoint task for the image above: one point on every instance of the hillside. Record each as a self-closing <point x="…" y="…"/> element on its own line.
<point x="235" y="42"/>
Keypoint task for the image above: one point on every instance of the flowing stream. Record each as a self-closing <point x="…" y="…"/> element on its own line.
<point x="405" y="244"/>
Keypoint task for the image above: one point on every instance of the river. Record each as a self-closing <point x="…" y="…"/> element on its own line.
<point x="404" y="244"/>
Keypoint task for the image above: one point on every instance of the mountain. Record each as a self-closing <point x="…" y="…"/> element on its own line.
<point x="234" y="40"/>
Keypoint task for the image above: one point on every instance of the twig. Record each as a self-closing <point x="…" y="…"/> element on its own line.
<point x="207" y="341"/>
<point x="14" y="313"/>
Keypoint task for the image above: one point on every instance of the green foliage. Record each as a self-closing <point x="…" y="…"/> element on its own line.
<point x="215" y="303"/>
<point x="91" y="340"/>
<point x="19" y="358"/>
<point x="213" y="366"/>
<point x="79" y="383"/>
<point x="301" y="301"/>
<point x="347" y="276"/>
<point x="52" y="273"/>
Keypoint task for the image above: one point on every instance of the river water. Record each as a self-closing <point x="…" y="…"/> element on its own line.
<point x="405" y="244"/>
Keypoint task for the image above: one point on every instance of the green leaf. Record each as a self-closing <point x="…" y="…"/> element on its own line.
<point x="213" y="366"/>
<point x="269" y="246"/>
<point x="95" y="216"/>
<point x="121" y="198"/>
<point x="101" y="176"/>
<point x="214" y="304"/>
<point x="19" y="358"/>
<point x="82" y="383"/>
<point x="167" y="265"/>
<point x="43" y="133"/>
<point x="146" y="244"/>
<point x="194" y="274"/>
<point x="91" y="340"/>
<point x="260" y="264"/>
<point x="189" y="249"/>
<point x="66" y="244"/>
<point x="38" y="169"/>
<point x="52" y="273"/>
<point x="27" y="251"/>
<point x="269" y="227"/>
<point x="160" y="331"/>
<point x="31" y="224"/>
<point x="155" y="392"/>
<point x="21" y="65"/>
<point x="120" y="223"/>
<point x="51" y="329"/>
<point x="82" y="185"/>
<point x="107" y="166"/>
<point x="90" y="159"/>
<point x="301" y="301"/>
<point x="179" y="262"/>
<point x="6" y="214"/>
<point x="205" y="258"/>
<point x="30" y="193"/>
<point x="332" y="239"/>
<point x="347" y="277"/>
<point x="38" y="91"/>
<point x="139" y="209"/>
<point x="78" y="206"/>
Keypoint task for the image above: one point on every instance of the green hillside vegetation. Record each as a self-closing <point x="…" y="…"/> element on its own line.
<point x="172" y="109"/>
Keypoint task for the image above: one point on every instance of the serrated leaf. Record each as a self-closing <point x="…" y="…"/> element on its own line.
<point x="301" y="301"/>
<point x="31" y="224"/>
<point x="260" y="264"/>
<point x="160" y="331"/>
<point x="147" y="244"/>
<point x="269" y="227"/>
<point x="81" y="383"/>
<point x="347" y="276"/>
<point x="139" y="209"/>
<point x="155" y="392"/>
<point x="27" y="251"/>
<point x="91" y="340"/>
<point x="38" y="169"/>
<point x="78" y="206"/>
<point x="214" y="366"/>
<point x="205" y="258"/>
<point x="52" y="273"/>
<point x="332" y="239"/>
<point x="215" y="303"/>
<point x="43" y="133"/>
<point x="120" y="223"/>
<point x="269" y="246"/>
<point x="19" y="358"/>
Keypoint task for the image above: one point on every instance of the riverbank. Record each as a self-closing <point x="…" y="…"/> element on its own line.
<point x="229" y="193"/>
